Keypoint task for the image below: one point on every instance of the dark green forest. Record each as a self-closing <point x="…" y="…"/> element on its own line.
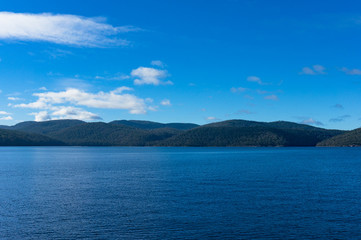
<point x="147" y="133"/>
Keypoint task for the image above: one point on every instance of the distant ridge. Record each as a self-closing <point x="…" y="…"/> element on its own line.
<point x="155" y="125"/>
<point x="146" y="133"/>
<point x="251" y="133"/>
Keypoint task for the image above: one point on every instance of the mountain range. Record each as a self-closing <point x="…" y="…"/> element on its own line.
<point x="147" y="133"/>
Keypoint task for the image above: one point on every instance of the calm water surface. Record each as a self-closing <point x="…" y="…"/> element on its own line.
<point x="180" y="193"/>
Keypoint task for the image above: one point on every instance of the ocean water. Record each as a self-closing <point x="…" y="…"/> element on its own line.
<point x="180" y="193"/>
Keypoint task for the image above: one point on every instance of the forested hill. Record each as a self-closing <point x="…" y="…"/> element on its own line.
<point x="348" y="139"/>
<point x="146" y="133"/>
<point x="250" y="133"/>
<point x="16" y="138"/>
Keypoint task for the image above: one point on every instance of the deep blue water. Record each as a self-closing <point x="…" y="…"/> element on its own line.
<point x="180" y="193"/>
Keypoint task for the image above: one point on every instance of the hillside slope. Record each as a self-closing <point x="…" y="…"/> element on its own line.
<point x="103" y="134"/>
<point x="248" y="133"/>
<point x="348" y="139"/>
<point x="16" y="138"/>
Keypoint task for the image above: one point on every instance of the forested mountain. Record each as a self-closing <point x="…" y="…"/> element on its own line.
<point x="16" y="138"/>
<point x="248" y="133"/>
<point x="348" y="139"/>
<point x="103" y="134"/>
<point x="146" y="133"/>
<point x="46" y="127"/>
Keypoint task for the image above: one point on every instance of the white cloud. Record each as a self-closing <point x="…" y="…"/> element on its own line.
<point x="165" y="102"/>
<point x="43" y="89"/>
<point x="157" y="63"/>
<point x="74" y="113"/>
<point x="112" y="100"/>
<point x="65" y="113"/>
<point x="7" y="118"/>
<point x="238" y="90"/>
<point x="41" y="116"/>
<point x="212" y="119"/>
<point x="354" y="71"/>
<point x="255" y="79"/>
<point x="314" y="70"/>
<point x="271" y="97"/>
<point x="61" y="29"/>
<point x="145" y="75"/>
<point x="14" y="98"/>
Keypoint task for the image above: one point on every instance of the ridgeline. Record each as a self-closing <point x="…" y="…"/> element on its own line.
<point x="146" y="133"/>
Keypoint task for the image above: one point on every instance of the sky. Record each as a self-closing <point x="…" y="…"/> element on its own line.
<point x="181" y="61"/>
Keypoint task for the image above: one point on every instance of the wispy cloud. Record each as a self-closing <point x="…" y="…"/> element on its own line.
<point x="255" y="79"/>
<point x="272" y="97"/>
<point x="238" y="89"/>
<point x="158" y="63"/>
<point x="57" y="53"/>
<point x="150" y="76"/>
<point x="61" y="29"/>
<point x="311" y="121"/>
<point x="340" y="118"/>
<point x="113" y="77"/>
<point x="314" y="70"/>
<point x="249" y="97"/>
<point x="106" y="100"/>
<point x="261" y="92"/>
<point x="212" y="119"/>
<point x="354" y="71"/>
<point x="165" y="102"/>
<point x="73" y="83"/>
<point x="7" y="118"/>
<point x="14" y="98"/>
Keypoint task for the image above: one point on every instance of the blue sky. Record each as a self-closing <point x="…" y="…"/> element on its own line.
<point x="181" y="61"/>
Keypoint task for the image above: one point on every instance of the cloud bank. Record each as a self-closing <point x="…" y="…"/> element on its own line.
<point x="61" y="29"/>
<point x="57" y="103"/>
